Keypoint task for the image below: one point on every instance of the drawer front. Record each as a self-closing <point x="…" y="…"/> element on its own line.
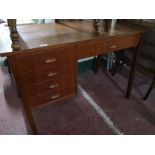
<point x="86" y="50"/>
<point x="115" y="44"/>
<point x="46" y="58"/>
<point x="130" y="41"/>
<point x="51" y="96"/>
<point x="102" y="47"/>
<point x="47" y="74"/>
<point x="123" y="42"/>
<point x="31" y="62"/>
<point x="48" y="86"/>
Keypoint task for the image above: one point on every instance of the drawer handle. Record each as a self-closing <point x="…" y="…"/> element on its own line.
<point x="55" y="96"/>
<point x="53" y="86"/>
<point x="52" y="74"/>
<point x="114" y="46"/>
<point x="50" y="60"/>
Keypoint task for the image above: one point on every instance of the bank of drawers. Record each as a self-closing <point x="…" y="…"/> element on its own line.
<point x="107" y="45"/>
<point x="47" y="75"/>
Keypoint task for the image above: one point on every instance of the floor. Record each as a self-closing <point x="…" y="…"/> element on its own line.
<point x="99" y="108"/>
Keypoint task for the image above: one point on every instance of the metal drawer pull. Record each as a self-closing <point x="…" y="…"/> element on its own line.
<point x="50" y="60"/>
<point x="52" y="74"/>
<point x="53" y="86"/>
<point x="114" y="46"/>
<point x="55" y="96"/>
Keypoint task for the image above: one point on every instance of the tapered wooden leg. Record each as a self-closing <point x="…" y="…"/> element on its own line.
<point x="6" y="63"/>
<point x="133" y="68"/>
<point x="118" y="57"/>
<point x="113" y="70"/>
<point x="31" y="121"/>
<point x="9" y="69"/>
<point x="150" y="89"/>
<point x="96" y="64"/>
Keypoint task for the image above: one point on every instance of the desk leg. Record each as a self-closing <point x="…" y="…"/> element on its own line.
<point x="133" y="67"/>
<point x="96" y="64"/>
<point x="28" y="111"/>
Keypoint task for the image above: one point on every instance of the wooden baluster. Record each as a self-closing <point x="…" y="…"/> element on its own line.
<point x="13" y="34"/>
<point x="107" y="23"/>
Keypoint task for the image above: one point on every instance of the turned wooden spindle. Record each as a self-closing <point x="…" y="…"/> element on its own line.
<point x="96" y="25"/>
<point x="13" y="34"/>
<point x="107" y="23"/>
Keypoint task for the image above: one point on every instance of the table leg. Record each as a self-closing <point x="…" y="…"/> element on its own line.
<point x="96" y="64"/>
<point x="133" y="68"/>
<point x="31" y="120"/>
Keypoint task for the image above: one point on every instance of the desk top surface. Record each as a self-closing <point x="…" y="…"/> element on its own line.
<point x="115" y="29"/>
<point x="46" y="35"/>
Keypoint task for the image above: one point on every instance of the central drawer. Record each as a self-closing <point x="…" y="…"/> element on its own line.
<point x="86" y="50"/>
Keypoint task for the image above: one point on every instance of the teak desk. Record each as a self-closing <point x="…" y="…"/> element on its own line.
<point x="45" y="66"/>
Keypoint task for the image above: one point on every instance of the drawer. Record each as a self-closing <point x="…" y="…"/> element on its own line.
<point x="102" y="47"/>
<point x="130" y="41"/>
<point x="122" y="42"/>
<point x="116" y="43"/>
<point x="52" y="85"/>
<point x="47" y="74"/>
<point x="110" y="44"/>
<point x="51" y="96"/>
<point x="41" y="59"/>
<point x="86" y="50"/>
